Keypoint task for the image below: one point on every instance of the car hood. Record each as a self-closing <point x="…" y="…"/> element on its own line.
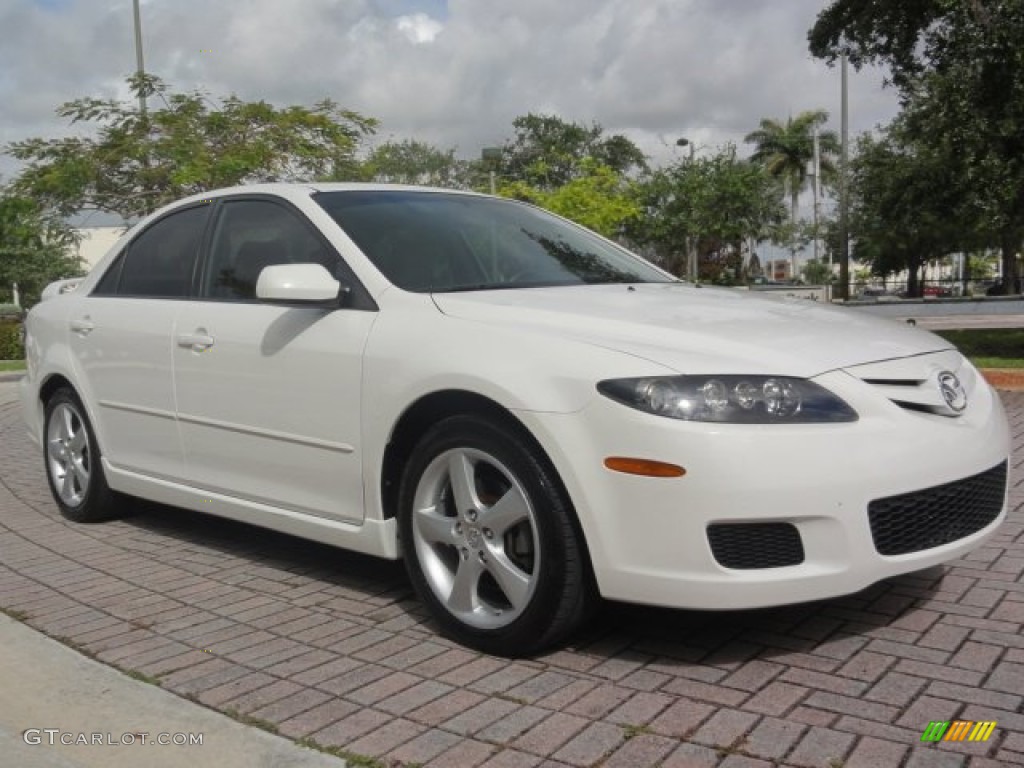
<point x="699" y="330"/>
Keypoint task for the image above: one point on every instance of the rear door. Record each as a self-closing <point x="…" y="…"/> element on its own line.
<point x="121" y="341"/>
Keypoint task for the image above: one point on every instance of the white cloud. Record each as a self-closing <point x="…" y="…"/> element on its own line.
<point x="457" y="76"/>
<point x="419" y="27"/>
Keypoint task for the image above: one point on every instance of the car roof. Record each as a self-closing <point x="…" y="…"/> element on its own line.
<point x="290" y="189"/>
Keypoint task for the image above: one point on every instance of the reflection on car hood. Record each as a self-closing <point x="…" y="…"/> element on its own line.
<point x="699" y="330"/>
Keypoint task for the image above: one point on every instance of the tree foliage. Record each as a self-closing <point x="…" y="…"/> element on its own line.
<point x="906" y="209"/>
<point x="717" y="202"/>
<point x="959" y="66"/>
<point x="35" y="249"/>
<point x="816" y="272"/>
<point x="548" y="152"/>
<point x="184" y="144"/>
<point x="599" y="199"/>
<point x="786" y="149"/>
<point x="417" y="162"/>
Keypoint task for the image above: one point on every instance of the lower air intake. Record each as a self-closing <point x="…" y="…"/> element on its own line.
<point x="747" y="546"/>
<point x="935" y="516"/>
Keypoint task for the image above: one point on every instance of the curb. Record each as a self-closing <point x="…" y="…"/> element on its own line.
<point x="1011" y="379"/>
<point x="11" y="376"/>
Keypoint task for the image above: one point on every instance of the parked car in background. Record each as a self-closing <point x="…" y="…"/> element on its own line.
<point x="1002" y="287"/>
<point x="527" y="414"/>
<point x="875" y="293"/>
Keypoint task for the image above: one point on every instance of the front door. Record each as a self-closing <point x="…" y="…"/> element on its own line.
<point x="268" y="396"/>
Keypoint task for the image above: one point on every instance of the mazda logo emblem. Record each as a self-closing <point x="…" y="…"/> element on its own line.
<point x="952" y="391"/>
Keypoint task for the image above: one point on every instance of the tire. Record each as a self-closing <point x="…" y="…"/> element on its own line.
<point x="497" y="557"/>
<point x="73" y="466"/>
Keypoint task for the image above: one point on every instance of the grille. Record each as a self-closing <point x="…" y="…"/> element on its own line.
<point x="935" y="516"/>
<point x="756" y="545"/>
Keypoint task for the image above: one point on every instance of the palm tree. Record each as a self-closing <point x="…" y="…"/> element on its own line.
<point x="786" y="149"/>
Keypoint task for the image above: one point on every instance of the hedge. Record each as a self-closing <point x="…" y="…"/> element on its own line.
<point x="11" y="347"/>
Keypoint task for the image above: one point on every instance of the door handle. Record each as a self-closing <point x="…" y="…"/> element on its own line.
<point x="200" y="341"/>
<point x="82" y="327"/>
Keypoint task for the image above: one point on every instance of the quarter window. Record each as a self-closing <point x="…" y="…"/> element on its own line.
<point x="159" y="262"/>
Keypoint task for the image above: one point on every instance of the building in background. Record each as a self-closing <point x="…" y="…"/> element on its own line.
<point x="95" y="242"/>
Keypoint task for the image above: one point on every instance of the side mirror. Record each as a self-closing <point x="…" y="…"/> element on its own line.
<point x="298" y="283"/>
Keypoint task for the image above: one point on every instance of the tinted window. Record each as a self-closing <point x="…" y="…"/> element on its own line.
<point x="107" y="286"/>
<point x="426" y="241"/>
<point x="253" y="234"/>
<point x="159" y="262"/>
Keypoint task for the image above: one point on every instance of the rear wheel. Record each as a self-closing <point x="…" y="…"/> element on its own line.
<point x="489" y="539"/>
<point x="73" y="465"/>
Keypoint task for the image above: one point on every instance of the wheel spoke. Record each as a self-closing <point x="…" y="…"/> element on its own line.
<point x="53" y="448"/>
<point x="434" y="527"/>
<point x="464" y="598"/>
<point x="81" y="473"/>
<point x="462" y="473"/>
<point x="67" y="429"/>
<point x="513" y="582"/>
<point x="510" y="509"/>
<point x="67" y="486"/>
<point x="77" y="443"/>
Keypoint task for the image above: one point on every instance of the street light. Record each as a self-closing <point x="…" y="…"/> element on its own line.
<point x="691" y="241"/>
<point x="140" y="67"/>
<point x="684" y="142"/>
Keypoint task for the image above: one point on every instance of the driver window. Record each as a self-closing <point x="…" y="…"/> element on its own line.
<point x="253" y="234"/>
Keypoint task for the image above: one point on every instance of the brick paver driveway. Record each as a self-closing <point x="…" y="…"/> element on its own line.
<point x="331" y="646"/>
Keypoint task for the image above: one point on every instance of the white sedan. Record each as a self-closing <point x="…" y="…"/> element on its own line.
<point x="528" y="414"/>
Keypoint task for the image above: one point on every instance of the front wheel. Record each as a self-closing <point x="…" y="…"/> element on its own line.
<point x="489" y="539"/>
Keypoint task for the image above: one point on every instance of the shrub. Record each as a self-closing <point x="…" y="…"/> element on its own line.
<point x="11" y="347"/>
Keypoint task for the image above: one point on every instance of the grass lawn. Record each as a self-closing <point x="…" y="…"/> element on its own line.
<point x="990" y="348"/>
<point x="12" y="365"/>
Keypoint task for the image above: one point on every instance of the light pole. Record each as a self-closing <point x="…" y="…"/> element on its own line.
<point x="140" y="67"/>
<point x="844" y="191"/>
<point x="691" y="240"/>
<point x="687" y="143"/>
<point x="491" y="157"/>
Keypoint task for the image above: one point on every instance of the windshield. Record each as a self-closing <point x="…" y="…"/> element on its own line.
<point x="433" y="242"/>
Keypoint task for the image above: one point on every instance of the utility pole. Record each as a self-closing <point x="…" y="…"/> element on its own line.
<point x="140" y="67"/>
<point x="844" y="191"/>
<point x="816" y="188"/>
<point x="692" y="258"/>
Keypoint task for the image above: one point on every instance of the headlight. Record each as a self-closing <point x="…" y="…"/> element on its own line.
<point x="730" y="399"/>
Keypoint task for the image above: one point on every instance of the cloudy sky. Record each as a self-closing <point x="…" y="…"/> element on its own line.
<point x="453" y="72"/>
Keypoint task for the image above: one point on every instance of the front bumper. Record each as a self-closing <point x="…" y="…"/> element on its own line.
<point x="648" y="537"/>
<point x="31" y="409"/>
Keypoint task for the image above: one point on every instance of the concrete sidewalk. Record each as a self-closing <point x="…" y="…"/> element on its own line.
<point x="45" y="685"/>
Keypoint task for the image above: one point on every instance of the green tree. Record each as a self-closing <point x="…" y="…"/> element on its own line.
<point x="548" y="152"/>
<point x="35" y="249"/>
<point x="959" y="67"/>
<point x="184" y="144"/>
<point x="905" y="211"/>
<point x="417" y="162"/>
<point x="786" y="149"/>
<point x="816" y="272"/>
<point x="715" y="204"/>
<point x="599" y="200"/>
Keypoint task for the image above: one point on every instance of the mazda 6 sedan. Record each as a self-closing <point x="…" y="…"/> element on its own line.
<point x="527" y="414"/>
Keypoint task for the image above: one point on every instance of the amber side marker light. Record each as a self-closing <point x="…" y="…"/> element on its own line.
<point x="644" y="467"/>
